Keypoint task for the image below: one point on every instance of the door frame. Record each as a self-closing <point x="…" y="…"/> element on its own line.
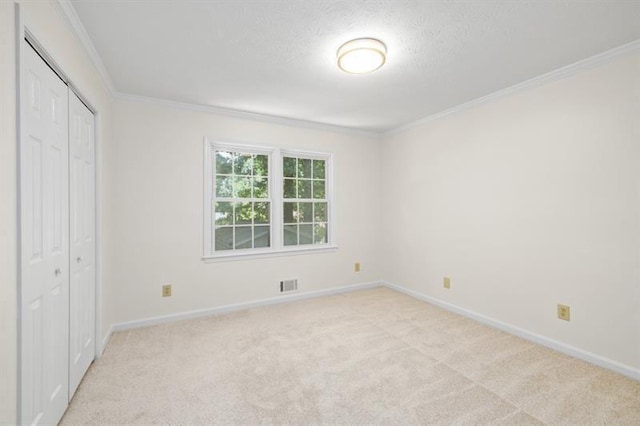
<point x="25" y="30"/>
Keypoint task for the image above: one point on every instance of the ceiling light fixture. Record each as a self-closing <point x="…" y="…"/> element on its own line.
<point x="361" y="55"/>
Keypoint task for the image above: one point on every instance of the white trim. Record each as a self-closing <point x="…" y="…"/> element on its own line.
<point x="276" y="166"/>
<point x="557" y="74"/>
<point x="224" y="257"/>
<point x="235" y="146"/>
<point x="228" y="112"/>
<point x="70" y="16"/>
<point x="20" y="32"/>
<point x="531" y="83"/>
<point x="277" y="248"/>
<point x="589" y="357"/>
<point x="210" y="146"/>
<point x="330" y="197"/>
<point x="97" y="129"/>
<point x="106" y="339"/>
<point x="207" y="176"/>
<point x="286" y="298"/>
<point x="68" y="13"/>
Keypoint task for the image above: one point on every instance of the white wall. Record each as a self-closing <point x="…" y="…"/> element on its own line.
<point x="525" y="202"/>
<point x="157" y="206"/>
<point x="50" y="30"/>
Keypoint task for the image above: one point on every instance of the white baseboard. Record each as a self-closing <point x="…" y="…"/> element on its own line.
<point x="589" y="357"/>
<point x="285" y="298"/>
<point x="105" y="340"/>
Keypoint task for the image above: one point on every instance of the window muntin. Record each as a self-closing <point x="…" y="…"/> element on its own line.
<point x="242" y="203"/>
<point x="305" y="204"/>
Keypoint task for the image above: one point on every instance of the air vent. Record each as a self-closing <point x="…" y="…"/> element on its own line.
<point x="288" y="285"/>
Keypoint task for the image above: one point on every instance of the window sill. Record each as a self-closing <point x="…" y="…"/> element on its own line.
<point x="226" y="257"/>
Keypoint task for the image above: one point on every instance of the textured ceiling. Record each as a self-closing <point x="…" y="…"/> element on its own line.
<point x="278" y="57"/>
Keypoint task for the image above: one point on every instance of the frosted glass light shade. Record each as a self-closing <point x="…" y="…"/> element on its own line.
<point x="361" y="55"/>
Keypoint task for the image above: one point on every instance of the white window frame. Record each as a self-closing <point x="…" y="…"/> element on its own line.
<point x="276" y="200"/>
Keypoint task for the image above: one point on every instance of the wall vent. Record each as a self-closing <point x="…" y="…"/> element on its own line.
<point x="288" y="285"/>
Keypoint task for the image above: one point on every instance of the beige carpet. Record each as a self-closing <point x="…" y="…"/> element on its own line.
<point x="374" y="356"/>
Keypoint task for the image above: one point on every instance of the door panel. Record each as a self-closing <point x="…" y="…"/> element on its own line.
<point x="44" y="206"/>
<point x="82" y="214"/>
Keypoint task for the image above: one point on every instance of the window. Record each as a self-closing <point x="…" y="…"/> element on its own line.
<point x="242" y="208"/>
<point x="305" y="200"/>
<point x="266" y="201"/>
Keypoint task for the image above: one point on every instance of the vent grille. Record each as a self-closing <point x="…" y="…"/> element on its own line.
<point x="288" y="285"/>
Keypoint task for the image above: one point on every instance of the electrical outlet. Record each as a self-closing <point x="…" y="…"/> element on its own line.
<point x="564" y="312"/>
<point x="166" y="290"/>
<point x="356" y="267"/>
<point x="446" y="282"/>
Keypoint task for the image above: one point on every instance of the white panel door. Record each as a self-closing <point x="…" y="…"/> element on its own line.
<point x="44" y="215"/>
<point x="83" y="242"/>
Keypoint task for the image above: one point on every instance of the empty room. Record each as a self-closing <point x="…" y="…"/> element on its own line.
<point x="298" y="212"/>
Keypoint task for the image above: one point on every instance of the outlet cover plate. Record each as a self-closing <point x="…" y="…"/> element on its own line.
<point x="564" y="312"/>
<point x="166" y="290"/>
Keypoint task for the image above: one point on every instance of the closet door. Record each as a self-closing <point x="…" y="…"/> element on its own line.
<point x="44" y="247"/>
<point x="82" y="249"/>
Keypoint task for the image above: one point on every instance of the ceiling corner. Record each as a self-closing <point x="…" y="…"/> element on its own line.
<point x="68" y="13"/>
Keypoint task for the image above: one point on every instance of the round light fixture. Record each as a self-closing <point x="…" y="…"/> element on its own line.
<point x="362" y="55"/>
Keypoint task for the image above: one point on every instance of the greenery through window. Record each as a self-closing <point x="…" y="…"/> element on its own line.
<point x="242" y="211"/>
<point x="261" y="201"/>
<point x="305" y="204"/>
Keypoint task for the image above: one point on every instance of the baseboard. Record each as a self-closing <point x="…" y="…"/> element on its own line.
<point x="105" y="340"/>
<point x="239" y="306"/>
<point x="517" y="331"/>
<point x="589" y="357"/>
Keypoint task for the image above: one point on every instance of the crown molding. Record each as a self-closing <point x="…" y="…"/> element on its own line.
<point x="68" y="12"/>
<point x="71" y="18"/>
<point x="273" y="119"/>
<point x="540" y="80"/>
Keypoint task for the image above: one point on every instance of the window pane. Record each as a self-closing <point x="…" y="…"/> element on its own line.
<point x="260" y="165"/>
<point x="242" y="205"/>
<point x="224" y="238"/>
<point x="290" y="235"/>
<point x="244" y="238"/>
<point x="290" y="212"/>
<point x="320" y="233"/>
<point x="260" y="187"/>
<point x="223" y="186"/>
<point x="244" y="223"/>
<point x="224" y="213"/>
<point x="261" y="212"/>
<point x="224" y="162"/>
<point x="320" y="212"/>
<point x="304" y="189"/>
<point x="289" y="188"/>
<point x="242" y="187"/>
<point x="318" y="169"/>
<point x="243" y="164"/>
<point x="244" y="213"/>
<point x="318" y="189"/>
<point x="261" y="237"/>
<point x="289" y="167"/>
<point x="306" y="234"/>
<point x="305" y="212"/>
<point x="304" y="168"/>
